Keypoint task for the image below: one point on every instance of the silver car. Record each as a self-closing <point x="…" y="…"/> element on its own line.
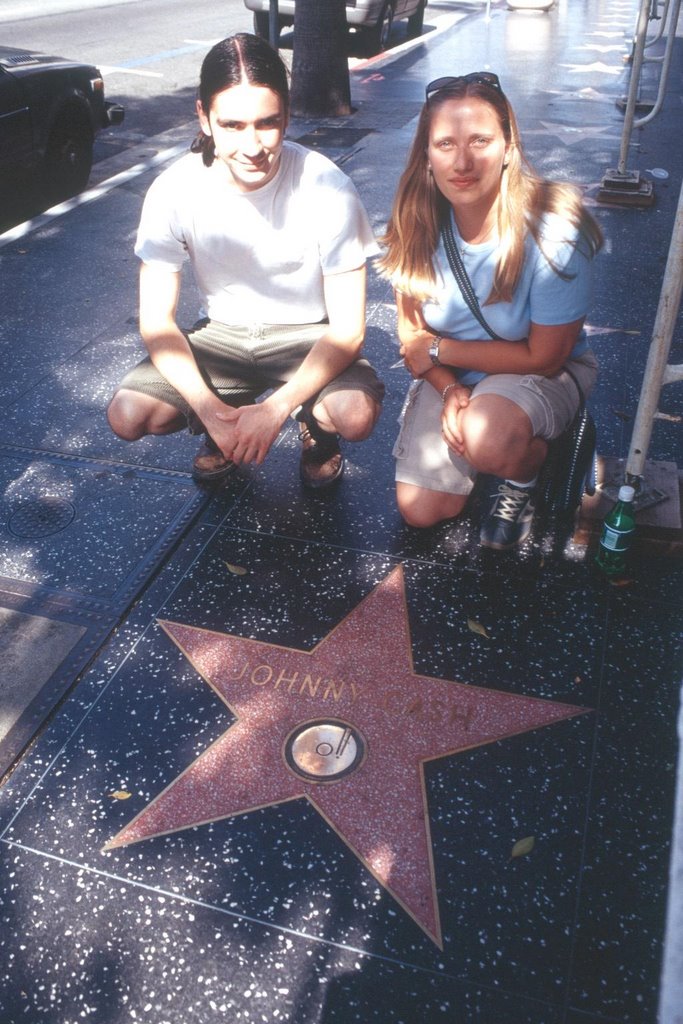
<point x="372" y="18"/>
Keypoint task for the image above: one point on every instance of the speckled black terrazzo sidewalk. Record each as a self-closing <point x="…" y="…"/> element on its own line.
<point x="494" y="847"/>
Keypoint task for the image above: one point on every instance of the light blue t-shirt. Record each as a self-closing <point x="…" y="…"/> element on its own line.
<point x="541" y="295"/>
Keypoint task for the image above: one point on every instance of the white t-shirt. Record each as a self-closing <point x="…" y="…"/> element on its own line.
<point x="541" y="295"/>
<point x="259" y="256"/>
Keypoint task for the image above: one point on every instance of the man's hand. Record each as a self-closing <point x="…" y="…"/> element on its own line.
<point x="249" y="431"/>
<point x="212" y="414"/>
<point x="457" y="398"/>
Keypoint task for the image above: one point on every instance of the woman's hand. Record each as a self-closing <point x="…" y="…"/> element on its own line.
<point x="415" y="352"/>
<point x="413" y="335"/>
<point x="456" y="399"/>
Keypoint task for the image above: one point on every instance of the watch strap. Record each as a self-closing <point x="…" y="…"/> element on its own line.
<point x="434" y="350"/>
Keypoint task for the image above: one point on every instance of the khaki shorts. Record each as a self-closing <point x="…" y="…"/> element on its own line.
<point x="240" y="362"/>
<point x="424" y="459"/>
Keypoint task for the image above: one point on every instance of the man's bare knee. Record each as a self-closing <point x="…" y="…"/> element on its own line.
<point x="132" y="416"/>
<point x="360" y="424"/>
<point x="353" y="415"/>
<point x="121" y="422"/>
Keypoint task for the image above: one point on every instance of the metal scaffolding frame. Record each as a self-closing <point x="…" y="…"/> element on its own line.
<point x="620" y="185"/>
<point x="624" y="187"/>
<point x="658" y="371"/>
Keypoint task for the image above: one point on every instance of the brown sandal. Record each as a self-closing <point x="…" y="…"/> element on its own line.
<point x="322" y="462"/>
<point x="210" y="465"/>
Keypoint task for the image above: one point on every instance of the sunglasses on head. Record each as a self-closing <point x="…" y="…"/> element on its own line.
<point x="480" y="77"/>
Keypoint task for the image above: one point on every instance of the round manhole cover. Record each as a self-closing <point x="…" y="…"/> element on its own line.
<point x="326" y="750"/>
<point x="41" y="518"/>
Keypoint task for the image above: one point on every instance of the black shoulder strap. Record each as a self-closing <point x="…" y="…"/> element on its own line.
<point x="465" y="285"/>
<point x="460" y="275"/>
<point x="582" y="397"/>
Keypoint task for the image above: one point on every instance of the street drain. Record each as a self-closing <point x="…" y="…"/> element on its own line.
<point x="41" y="518"/>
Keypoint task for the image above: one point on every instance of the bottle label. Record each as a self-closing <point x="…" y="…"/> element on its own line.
<point x="615" y="540"/>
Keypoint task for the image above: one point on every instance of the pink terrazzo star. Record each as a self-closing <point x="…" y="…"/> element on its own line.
<point x="359" y="675"/>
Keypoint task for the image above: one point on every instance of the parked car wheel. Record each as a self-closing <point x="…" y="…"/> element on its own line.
<point x="262" y="25"/>
<point x="68" y="156"/>
<point x="416" y="22"/>
<point x="377" y="36"/>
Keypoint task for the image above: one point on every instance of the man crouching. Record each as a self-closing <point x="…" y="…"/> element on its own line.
<point x="278" y="239"/>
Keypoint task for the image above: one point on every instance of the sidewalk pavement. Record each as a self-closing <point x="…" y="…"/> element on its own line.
<point x="484" y="832"/>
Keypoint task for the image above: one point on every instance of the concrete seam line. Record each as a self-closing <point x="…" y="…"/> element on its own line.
<point x="91" y="194"/>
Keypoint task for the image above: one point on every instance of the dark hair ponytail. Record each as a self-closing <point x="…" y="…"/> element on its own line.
<point x="239" y="58"/>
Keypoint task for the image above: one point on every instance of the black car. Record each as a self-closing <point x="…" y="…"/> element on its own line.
<point x="50" y="111"/>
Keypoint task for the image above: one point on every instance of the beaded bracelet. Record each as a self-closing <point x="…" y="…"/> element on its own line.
<point x="448" y="387"/>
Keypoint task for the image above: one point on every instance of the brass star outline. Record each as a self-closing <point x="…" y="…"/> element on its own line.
<point x="362" y="674"/>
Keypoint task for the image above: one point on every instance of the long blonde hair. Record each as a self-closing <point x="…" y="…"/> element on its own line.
<point x="419" y="209"/>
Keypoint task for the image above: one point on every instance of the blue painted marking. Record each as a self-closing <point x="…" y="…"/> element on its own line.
<point x="156" y="57"/>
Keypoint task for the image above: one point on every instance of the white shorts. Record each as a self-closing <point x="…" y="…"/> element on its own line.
<point x="424" y="459"/>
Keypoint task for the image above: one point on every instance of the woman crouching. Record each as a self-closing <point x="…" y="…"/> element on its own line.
<point x="493" y="334"/>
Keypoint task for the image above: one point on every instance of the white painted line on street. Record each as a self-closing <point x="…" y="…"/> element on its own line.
<point x="114" y="70"/>
<point x="91" y="194"/>
<point x="440" y="25"/>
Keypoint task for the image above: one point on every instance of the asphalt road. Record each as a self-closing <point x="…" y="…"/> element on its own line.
<point x="149" y="53"/>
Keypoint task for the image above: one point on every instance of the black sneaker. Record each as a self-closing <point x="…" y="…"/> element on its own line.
<point x="510" y="517"/>
<point x="322" y="462"/>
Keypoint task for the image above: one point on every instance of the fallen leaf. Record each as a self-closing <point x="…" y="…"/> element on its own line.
<point x="120" y="794"/>
<point x="477" y="627"/>
<point x="620" y="581"/>
<point x="523" y="846"/>
<point x="236" y="570"/>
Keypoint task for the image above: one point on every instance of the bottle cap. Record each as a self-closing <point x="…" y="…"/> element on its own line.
<point x="627" y="493"/>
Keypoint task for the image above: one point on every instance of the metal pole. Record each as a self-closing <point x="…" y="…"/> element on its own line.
<point x="618" y="184"/>
<point x="273" y="24"/>
<point x="666" y="63"/>
<point x="671" y="989"/>
<point x="655" y="16"/>
<point x="638" y="51"/>
<point x="660" y="346"/>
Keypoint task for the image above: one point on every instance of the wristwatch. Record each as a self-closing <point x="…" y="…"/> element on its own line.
<point x="434" y="350"/>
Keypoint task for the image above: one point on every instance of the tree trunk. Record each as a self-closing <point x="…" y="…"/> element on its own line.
<point x="320" y="70"/>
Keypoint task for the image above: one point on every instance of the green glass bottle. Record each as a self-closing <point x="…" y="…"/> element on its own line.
<point x="618" y="529"/>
